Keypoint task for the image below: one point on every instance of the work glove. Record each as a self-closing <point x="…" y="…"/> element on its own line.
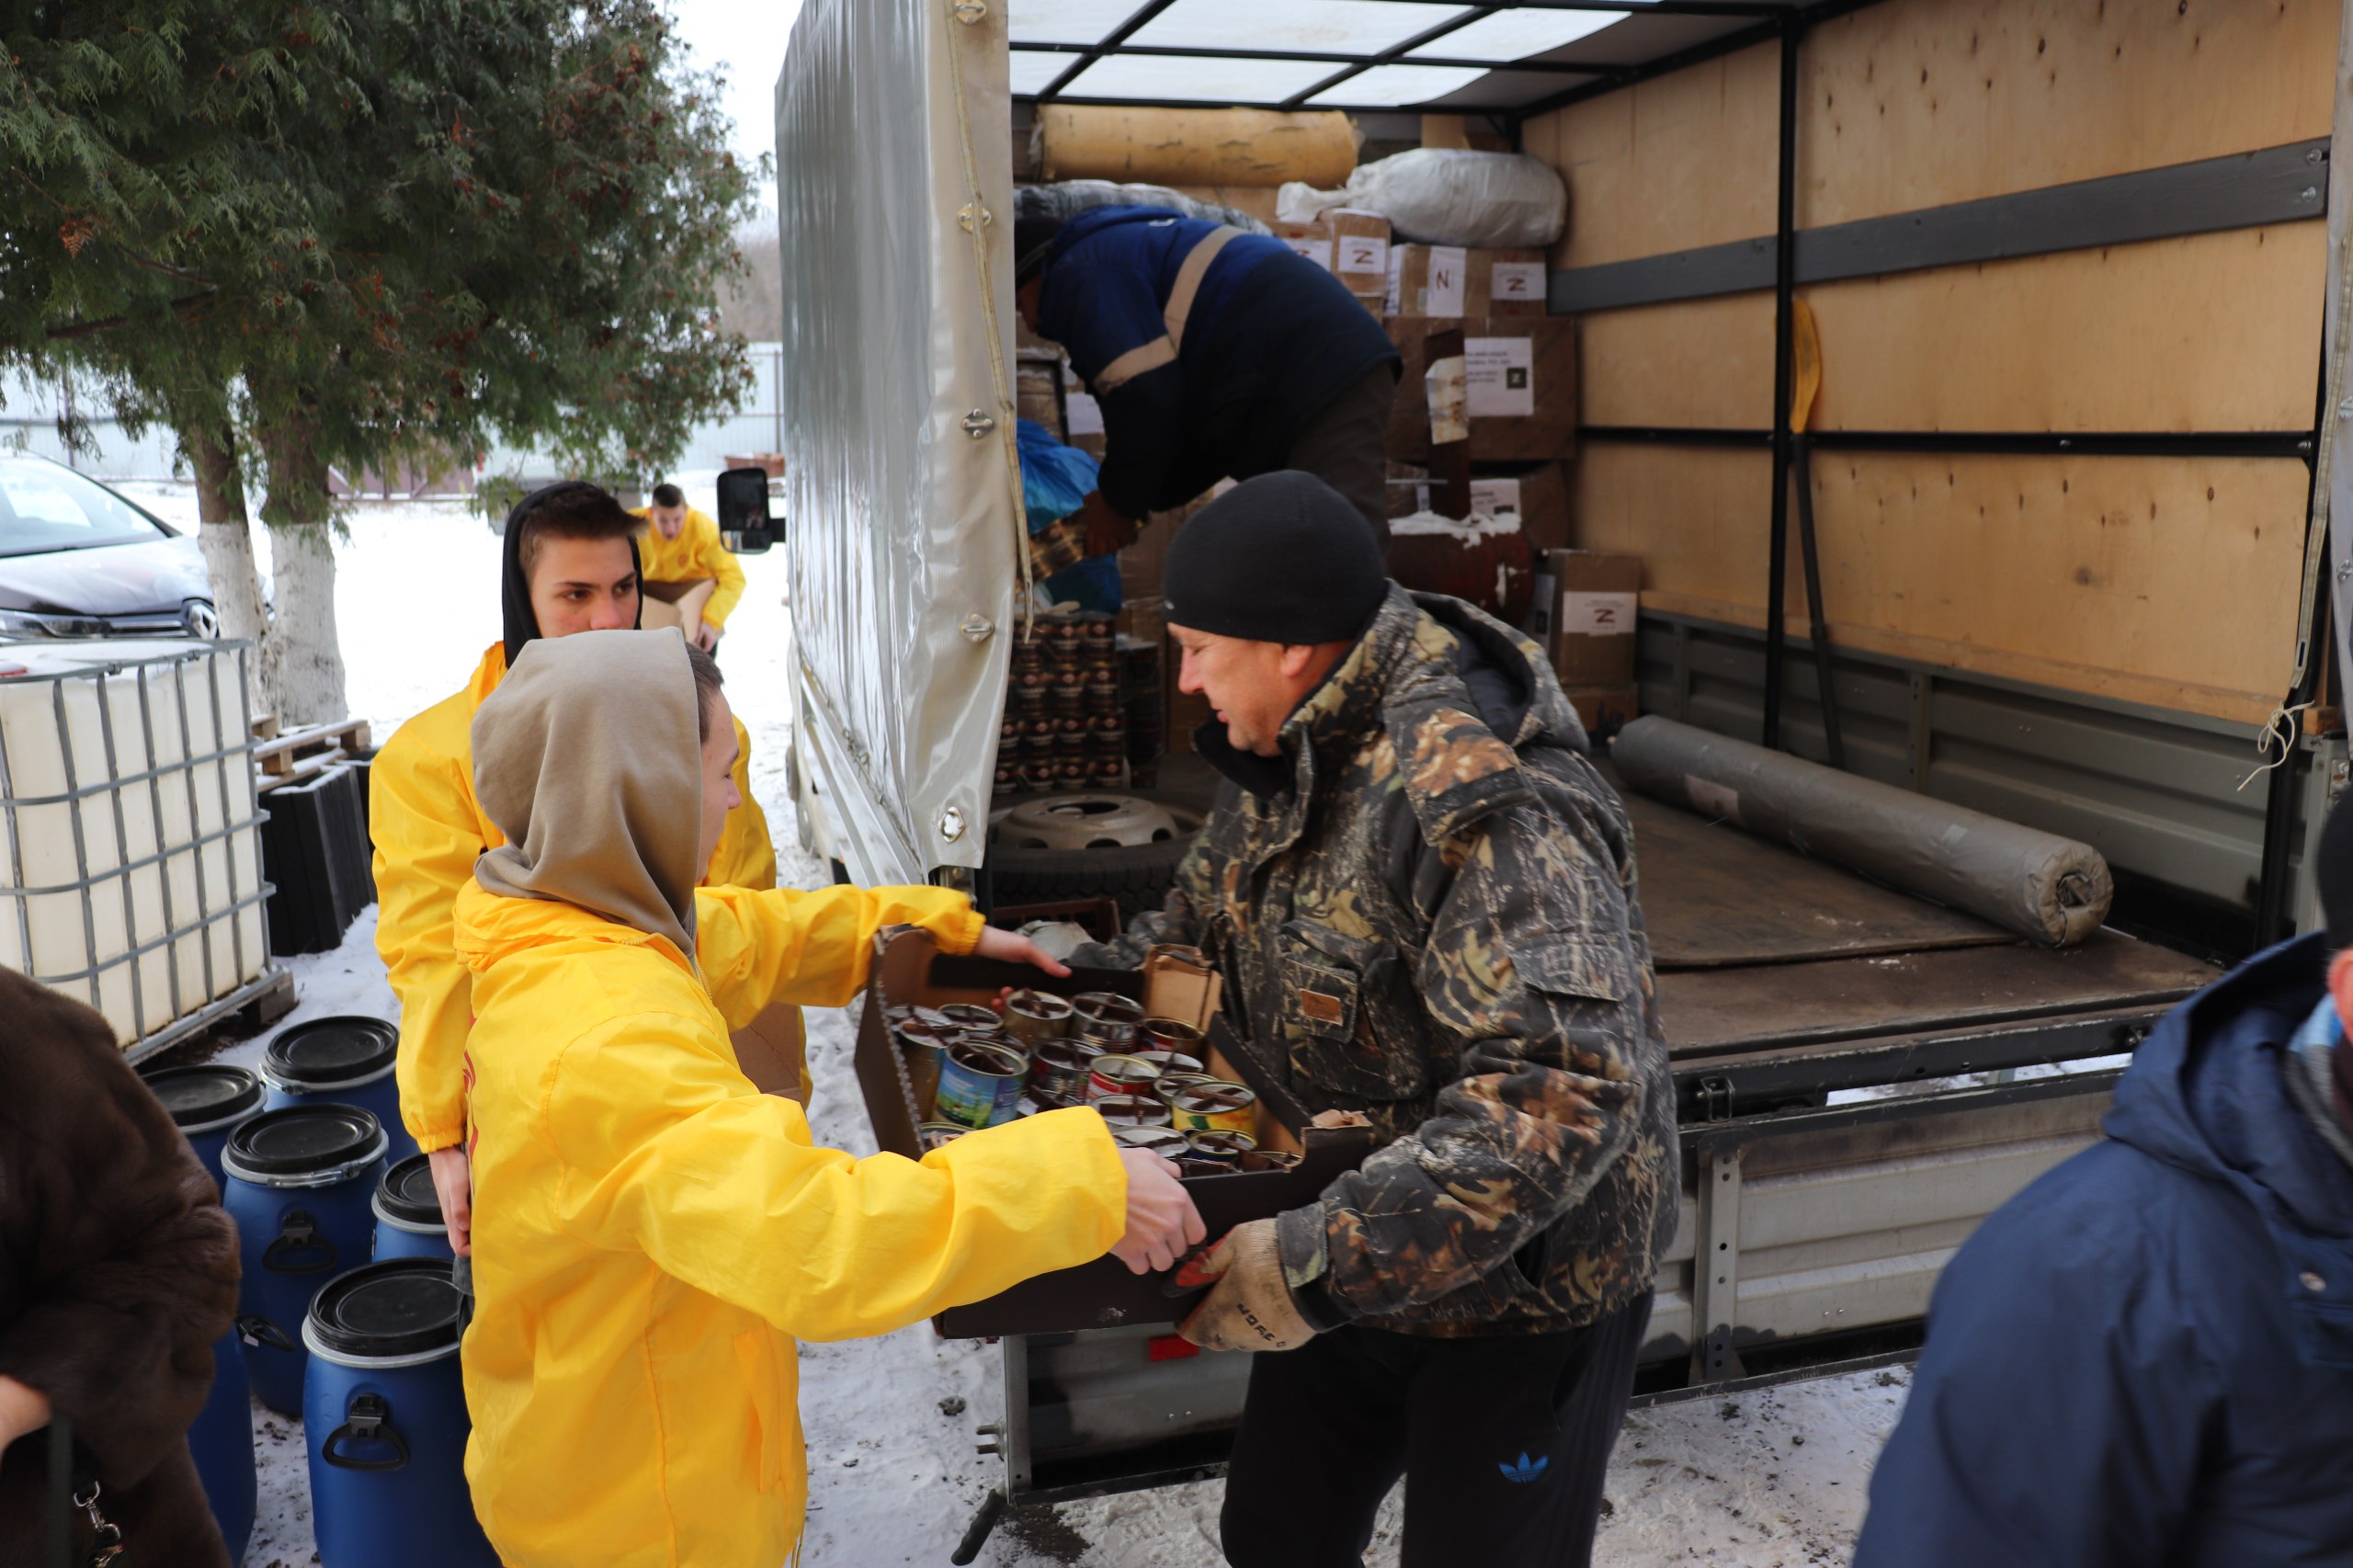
<point x="1249" y="1306"/>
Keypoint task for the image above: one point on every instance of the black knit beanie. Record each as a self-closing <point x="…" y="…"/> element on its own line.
<point x="1281" y="558"/>
<point x="521" y="622"/>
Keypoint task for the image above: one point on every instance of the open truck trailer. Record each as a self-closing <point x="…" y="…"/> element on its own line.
<point x="2078" y="272"/>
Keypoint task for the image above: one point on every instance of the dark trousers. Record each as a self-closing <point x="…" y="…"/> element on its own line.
<point x="1503" y="1444"/>
<point x="1346" y="446"/>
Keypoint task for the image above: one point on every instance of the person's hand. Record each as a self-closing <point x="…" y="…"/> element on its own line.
<point x="453" y="1184"/>
<point x="1012" y="947"/>
<point x="707" y="637"/>
<point x="1161" y="1220"/>
<point x="22" y="1409"/>
<point x="1249" y="1308"/>
<point x="1108" y="533"/>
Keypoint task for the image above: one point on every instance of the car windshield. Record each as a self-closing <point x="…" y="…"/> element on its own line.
<point x="44" y="506"/>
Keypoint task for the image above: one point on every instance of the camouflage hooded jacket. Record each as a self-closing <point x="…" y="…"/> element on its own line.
<point x="1425" y="911"/>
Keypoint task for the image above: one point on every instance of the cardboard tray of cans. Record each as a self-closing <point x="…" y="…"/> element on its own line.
<point x="909" y="971"/>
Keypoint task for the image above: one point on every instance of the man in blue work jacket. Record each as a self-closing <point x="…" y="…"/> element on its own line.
<point x="2146" y="1358"/>
<point x="1214" y="354"/>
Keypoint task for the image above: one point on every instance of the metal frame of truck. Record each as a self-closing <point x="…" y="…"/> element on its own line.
<point x="1821" y="1225"/>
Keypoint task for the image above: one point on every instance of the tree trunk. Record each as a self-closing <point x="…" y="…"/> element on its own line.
<point x="310" y="669"/>
<point x="225" y="535"/>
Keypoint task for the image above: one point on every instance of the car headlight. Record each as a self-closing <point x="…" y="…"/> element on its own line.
<point x="26" y="623"/>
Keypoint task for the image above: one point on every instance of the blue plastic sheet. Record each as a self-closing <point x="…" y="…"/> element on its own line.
<point x="1055" y="482"/>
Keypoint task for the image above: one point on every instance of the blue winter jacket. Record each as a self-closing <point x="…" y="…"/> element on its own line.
<point x="2146" y="1358"/>
<point x="1268" y="341"/>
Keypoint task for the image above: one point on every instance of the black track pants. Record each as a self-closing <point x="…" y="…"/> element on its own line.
<point x="1503" y="1444"/>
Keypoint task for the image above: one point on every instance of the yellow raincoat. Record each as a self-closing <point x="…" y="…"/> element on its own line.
<point x="650" y="1234"/>
<point x="696" y="553"/>
<point x="428" y="831"/>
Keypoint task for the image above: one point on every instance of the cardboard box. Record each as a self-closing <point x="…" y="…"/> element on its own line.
<point x="1523" y="387"/>
<point x="1595" y="600"/>
<point x="1360" y="251"/>
<point x="1540" y="495"/>
<point x="1454" y="282"/>
<point x="1037" y="393"/>
<point x="1605" y="709"/>
<point x="1102" y="1294"/>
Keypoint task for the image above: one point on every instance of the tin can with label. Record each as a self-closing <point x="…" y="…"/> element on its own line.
<point x="932" y="1134"/>
<point x="1212" y="1106"/>
<point x="921" y="1047"/>
<point x="1166" y="1141"/>
<point x="1037" y="1017"/>
<point x="971" y="1015"/>
<point x="1167" y="1064"/>
<point x="1131" y="1110"/>
<point x="980" y="1084"/>
<point x="1122" y="1076"/>
<point x="1225" y="1148"/>
<point x="1170" y="1034"/>
<point x="1056" y="1067"/>
<point x="1105" y="1019"/>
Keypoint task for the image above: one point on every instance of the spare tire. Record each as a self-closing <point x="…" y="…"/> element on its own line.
<point x="1031" y="868"/>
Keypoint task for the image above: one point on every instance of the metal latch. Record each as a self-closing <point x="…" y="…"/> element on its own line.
<point x="978" y="627"/>
<point x="972" y="217"/>
<point x="970" y="11"/>
<point x="977" y="423"/>
<point x="1715" y="1098"/>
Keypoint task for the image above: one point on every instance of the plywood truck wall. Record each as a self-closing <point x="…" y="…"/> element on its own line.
<point x="2165" y="580"/>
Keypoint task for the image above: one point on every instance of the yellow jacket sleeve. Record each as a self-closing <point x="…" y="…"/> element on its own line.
<point x="428" y="838"/>
<point x="663" y="1150"/>
<point x="811" y="949"/>
<point x="746" y="856"/>
<point x="720" y="563"/>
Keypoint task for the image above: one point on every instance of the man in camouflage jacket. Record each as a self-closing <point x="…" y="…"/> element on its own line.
<point x="1421" y="896"/>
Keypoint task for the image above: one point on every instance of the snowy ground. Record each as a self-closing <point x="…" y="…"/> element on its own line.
<point x="1771" y="1479"/>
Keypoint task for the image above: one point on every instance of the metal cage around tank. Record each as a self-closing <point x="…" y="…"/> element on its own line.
<point x="131" y="828"/>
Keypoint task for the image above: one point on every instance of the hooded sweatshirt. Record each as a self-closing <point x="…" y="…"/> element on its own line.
<point x="428" y="831"/>
<point x="2146" y="1358"/>
<point x="648" y="1230"/>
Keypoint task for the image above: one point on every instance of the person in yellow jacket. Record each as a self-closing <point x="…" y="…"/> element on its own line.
<point x="651" y="1234"/>
<point x="692" y="579"/>
<point x="570" y="566"/>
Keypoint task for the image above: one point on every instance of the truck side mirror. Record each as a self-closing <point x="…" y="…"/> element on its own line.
<point x="743" y="520"/>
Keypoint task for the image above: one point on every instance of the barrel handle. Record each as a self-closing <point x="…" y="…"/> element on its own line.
<point x="368" y="1419"/>
<point x="297" y="1233"/>
<point x="257" y="1330"/>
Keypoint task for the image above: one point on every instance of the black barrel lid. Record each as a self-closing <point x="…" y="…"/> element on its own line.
<point x="326" y="1051"/>
<point x="203" y="1096"/>
<point x="400" y="1307"/>
<point x="302" y="1139"/>
<point x="406" y="1192"/>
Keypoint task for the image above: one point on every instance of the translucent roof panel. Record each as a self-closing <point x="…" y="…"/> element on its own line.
<point x="1516" y="35"/>
<point x="1331" y="27"/>
<point x="1193" y="78"/>
<point x="1400" y="84"/>
<point x="1033" y="73"/>
<point x="1066" y="21"/>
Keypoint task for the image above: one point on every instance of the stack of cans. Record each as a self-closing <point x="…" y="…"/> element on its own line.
<point x="1065" y="725"/>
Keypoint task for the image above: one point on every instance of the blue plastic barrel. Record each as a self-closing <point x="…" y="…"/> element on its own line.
<point x="299" y="1185"/>
<point x="384" y="1413"/>
<point x="340" y="1061"/>
<point x="222" y="1442"/>
<point x="408" y="1213"/>
<point x="208" y="1103"/>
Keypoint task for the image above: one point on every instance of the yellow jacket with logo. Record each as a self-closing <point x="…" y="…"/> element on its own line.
<point x="651" y="1234"/>
<point x="427" y="832"/>
<point x="698" y="552"/>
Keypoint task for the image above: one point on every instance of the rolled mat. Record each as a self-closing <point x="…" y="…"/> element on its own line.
<point x="2049" y="890"/>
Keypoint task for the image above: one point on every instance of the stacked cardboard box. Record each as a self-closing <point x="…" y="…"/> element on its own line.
<point x="1586" y="606"/>
<point x="1350" y="243"/>
<point x="1536" y="493"/>
<point x="1522" y="373"/>
<point x="1453" y="282"/>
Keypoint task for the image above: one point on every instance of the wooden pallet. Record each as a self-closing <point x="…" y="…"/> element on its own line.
<point x="304" y="753"/>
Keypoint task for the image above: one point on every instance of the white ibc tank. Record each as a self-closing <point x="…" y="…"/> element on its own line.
<point x="130" y="832"/>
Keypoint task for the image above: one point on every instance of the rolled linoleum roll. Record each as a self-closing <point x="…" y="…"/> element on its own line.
<point x="2050" y="890"/>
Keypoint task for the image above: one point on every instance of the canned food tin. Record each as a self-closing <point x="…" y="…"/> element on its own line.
<point x="1212" y="1106"/>
<point x="921" y="1046"/>
<point x="1269" y="1160"/>
<point x="1120" y="1075"/>
<point x="980" y="1084"/>
<point x="1131" y="1110"/>
<point x="1037" y="1017"/>
<point x="1170" y="1085"/>
<point x="932" y="1016"/>
<point x="932" y="1134"/>
<point x="1225" y="1148"/>
<point x="1169" y="1034"/>
<point x="970" y="1015"/>
<point x="1167" y="1064"/>
<point x="1166" y="1141"/>
<point x="1056" y="1067"/>
<point x="1106" y="1017"/>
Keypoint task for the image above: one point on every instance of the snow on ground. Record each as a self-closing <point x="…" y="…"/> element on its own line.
<point x="1769" y="1480"/>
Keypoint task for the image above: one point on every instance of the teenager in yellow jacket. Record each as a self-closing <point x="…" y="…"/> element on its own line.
<point x="650" y="1234"/>
<point x="692" y="580"/>
<point x="570" y="566"/>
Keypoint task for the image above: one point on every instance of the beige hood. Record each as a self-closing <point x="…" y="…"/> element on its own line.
<point x="588" y="760"/>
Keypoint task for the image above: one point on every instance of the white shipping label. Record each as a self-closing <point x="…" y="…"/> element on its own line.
<point x="1500" y="373"/>
<point x="1449" y="269"/>
<point x="1315" y="250"/>
<point x="1516" y="282"/>
<point x="1449" y="421"/>
<point x="1494" y="497"/>
<point x="1713" y="798"/>
<point x="1599" y="615"/>
<point x="1086" y="413"/>
<point x="1364" y="256"/>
